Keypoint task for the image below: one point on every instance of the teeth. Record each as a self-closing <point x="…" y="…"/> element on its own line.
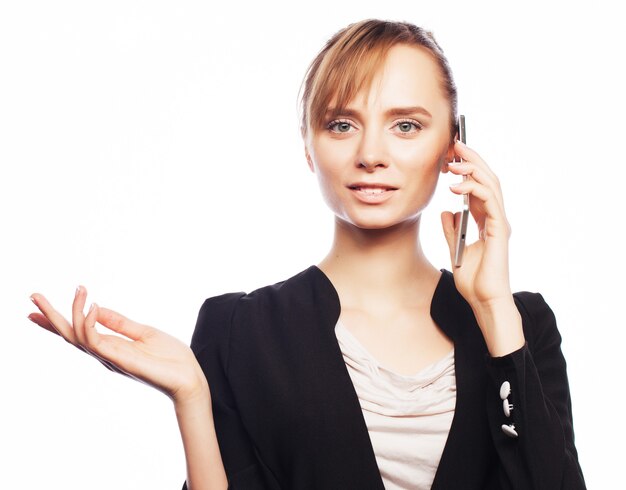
<point x="371" y="190"/>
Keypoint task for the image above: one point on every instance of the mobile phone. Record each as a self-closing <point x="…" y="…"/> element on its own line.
<point x="462" y="228"/>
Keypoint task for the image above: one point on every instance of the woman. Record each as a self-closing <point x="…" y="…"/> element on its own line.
<point x="372" y="369"/>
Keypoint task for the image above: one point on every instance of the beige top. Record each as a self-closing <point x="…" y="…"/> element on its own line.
<point x="408" y="417"/>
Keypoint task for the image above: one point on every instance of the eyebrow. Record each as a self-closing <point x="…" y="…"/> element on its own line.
<point x="394" y="111"/>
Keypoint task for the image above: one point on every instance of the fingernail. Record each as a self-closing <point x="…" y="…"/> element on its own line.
<point x="91" y="308"/>
<point x="77" y="291"/>
<point x="460" y="142"/>
<point x="456" y="185"/>
<point x="33" y="300"/>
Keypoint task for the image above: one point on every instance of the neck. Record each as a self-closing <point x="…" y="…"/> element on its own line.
<point x="379" y="265"/>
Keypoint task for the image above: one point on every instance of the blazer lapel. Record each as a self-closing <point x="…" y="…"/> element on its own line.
<point x="348" y="418"/>
<point x="293" y="390"/>
<point x="454" y="316"/>
<point x="468" y="448"/>
<point x="296" y="399"/>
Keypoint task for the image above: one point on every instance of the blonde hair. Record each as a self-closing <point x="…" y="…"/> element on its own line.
<point x="350" y="60"/>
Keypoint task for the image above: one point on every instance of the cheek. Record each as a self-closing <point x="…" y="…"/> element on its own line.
<point x="420" y="163"/>
<point x="329" y="180"/>
<point x="421" y="156"/>
<point x="330" y="161"/>
<point x="334" y="152"/>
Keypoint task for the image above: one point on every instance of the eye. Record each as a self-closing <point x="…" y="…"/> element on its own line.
<point x="339" y="126"/>
<point x="406" y="125"/>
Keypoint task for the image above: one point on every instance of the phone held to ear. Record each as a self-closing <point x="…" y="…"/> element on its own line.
<point x="462" y="228"/>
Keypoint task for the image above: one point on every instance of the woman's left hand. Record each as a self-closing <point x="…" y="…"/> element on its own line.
<point x="483" y="277"/>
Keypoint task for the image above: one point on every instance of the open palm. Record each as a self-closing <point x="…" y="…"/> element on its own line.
<point x="141" y="352"/>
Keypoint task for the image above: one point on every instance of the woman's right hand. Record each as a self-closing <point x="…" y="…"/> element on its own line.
<point x="146" y="354"/>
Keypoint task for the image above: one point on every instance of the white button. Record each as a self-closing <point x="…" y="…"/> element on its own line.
<point x="509" y="430"/>
<point x="507" y="407"/>
<point x="505" y="390"/>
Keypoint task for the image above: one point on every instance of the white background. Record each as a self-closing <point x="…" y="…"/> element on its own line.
<point x="150" y="151"/>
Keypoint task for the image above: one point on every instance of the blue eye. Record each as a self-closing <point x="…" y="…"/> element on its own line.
<point x="406" y="126"/>
<point x="339" y="126"/>
<point x="343" y="126"/>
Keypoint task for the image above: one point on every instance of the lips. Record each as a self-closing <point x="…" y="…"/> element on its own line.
<point x="373" y="186"/>
<point x="372" y="193"/>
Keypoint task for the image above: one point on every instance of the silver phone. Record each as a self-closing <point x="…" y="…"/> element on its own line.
<point x="462" y="228"/>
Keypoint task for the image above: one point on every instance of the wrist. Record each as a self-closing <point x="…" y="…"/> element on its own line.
<point x="192" y="394"/>
<point x="494" y="306"/>
<point x="501" y="325"/>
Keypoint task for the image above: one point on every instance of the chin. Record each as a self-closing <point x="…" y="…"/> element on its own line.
<point x="378" y="223"/>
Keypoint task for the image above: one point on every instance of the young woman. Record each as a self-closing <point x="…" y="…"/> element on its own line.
<point x="372" y="369"/>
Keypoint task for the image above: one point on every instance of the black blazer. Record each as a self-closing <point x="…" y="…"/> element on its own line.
<point x="287" y="415"/>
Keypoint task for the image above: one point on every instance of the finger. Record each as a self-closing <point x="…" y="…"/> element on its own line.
<point x="448" y="222"/>
<point x="120" y="324"/>
<point x="43" y="322"/>
<point x="88" y="336"/>
<point x="469" y="155"/>
<point x="476" y="172"/>
<point x="95" y="356"/>
<point x="60" y="324"/>
<point x="119" y="353"/>
<point x="89" y="324"/>
<point x="488" y="201"/>
<point x="93" y="338"/>
<point x="485" y="173"/>
<point x="78" y="317"/>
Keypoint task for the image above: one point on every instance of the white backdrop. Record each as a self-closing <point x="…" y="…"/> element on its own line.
<point x="150" y="151"/>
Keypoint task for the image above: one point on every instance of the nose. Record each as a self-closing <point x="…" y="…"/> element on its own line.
<point x="371" y="152"/>
<point x="370" y="166"/>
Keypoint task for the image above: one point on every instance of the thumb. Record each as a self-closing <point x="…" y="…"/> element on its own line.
<point x="449" y="222"/>
<point x="120" y="324"/>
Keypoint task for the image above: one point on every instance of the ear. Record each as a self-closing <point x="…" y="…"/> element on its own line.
<point x="308" y="159"/>
<point x="450" y="156"/>
<point x="306" y="149"/>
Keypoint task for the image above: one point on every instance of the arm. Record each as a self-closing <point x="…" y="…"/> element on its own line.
<point x="543" y="456"/>
<point x="520" y="333"/>
<point x="210" y="344"/>
<point x="205" y="469"/>
<point x="152" y="357"/>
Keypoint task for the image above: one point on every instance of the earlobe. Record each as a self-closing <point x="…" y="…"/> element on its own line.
<point x="450" y="156"/>
<point x="308" y="159"/>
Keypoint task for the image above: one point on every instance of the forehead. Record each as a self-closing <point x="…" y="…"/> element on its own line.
<point x="409" y="77"/>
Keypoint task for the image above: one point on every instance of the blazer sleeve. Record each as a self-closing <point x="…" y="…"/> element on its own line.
<point x="210" y="344"/>
<point x="542" y="455"/>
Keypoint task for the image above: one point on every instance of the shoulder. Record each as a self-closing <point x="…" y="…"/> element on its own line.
<point x="210" y="335"/>
<point x="298" y="292"/>
<point x="297" y="295"/>
<point x="305" y="286"/>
